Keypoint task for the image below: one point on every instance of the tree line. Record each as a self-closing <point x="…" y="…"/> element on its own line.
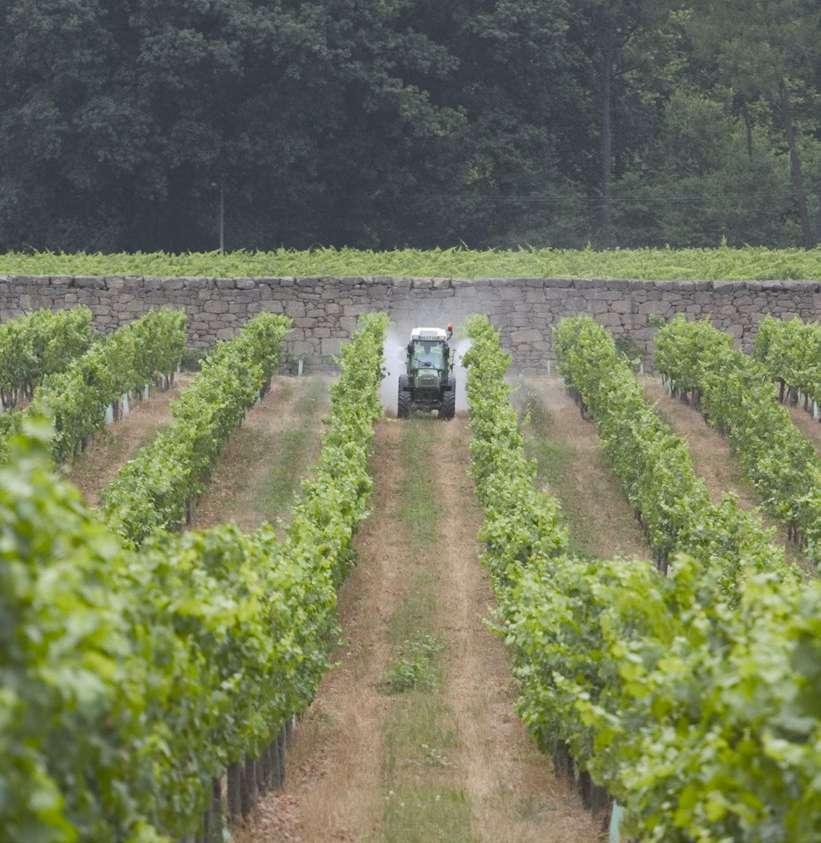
<point x="138" y="124"/>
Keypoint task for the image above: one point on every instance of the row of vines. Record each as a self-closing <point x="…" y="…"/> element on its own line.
<point x="76" y="397"/>
<point x="156" y="488"/>
<point x="790" y="350"/>
<point x="654" y="464"/>
<point x="39" y="344"/>
<point x="736" y="394"/>
<point x="690" y="698"/>
<point x="749" y="262"/>
<point x="137" y="681"/>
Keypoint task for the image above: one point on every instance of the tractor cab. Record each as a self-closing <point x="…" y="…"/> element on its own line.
<point x="428" y="349"/>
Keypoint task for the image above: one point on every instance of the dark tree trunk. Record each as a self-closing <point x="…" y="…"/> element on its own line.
<point x="748" y="126"/>
<point x="248" y="791"/>
<point x="280" y="755"/>
<point x="608" y="48"/>
<point x="234" y="792"/>
<point x="215" y="819"/>
<point x="795" y="169"/>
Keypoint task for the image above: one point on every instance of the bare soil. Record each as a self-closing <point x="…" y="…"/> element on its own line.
<point x="250" y="465"/>
<point x="599" y="515"/>
<point x="335" y="778"/>
<point x="334" y="768"/>
<point x="712" y="458"/>
<point x="810" y="427"/>
<point x="513" y="792"/>
<point x="112" y="447"/>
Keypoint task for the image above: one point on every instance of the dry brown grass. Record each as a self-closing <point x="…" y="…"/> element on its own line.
<point x="333" y="776"/>
<point x="598" y="514"/>
<point x="257" y="457"/>
<point x="710" y="451"/>
<point x="513" y="793"/>
<point x="448" y="761"/>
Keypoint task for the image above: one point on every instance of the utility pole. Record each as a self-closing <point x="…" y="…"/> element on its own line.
<point x="222" y="217"/>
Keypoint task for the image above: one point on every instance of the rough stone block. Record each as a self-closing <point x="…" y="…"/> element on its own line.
<point x="330" y="346"/>
<point x="269" y="305"/>
<point x="610" y="320"/>
<point x="526" y="335"/>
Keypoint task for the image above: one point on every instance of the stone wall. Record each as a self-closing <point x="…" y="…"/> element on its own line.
<point x="324" y="310"/>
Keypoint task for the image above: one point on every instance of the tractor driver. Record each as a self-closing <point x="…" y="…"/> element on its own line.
<point x="429" y="355"/>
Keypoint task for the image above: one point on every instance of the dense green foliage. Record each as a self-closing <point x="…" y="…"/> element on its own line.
<point x="130" y="680"/>
<point x="39" y="344"/>
<point x="154" y="489"/>
<point x="697" y="712"/>
<point x="791" y="352"/>
<point x="736" y="395"/>
<point x="75" y="400"/>
<point x="407" y="122"/>
<point x="654" y="464"/>
<point x="650" y="264"/>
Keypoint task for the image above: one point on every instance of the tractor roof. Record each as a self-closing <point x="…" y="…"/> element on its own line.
<point x="429" y="334"/>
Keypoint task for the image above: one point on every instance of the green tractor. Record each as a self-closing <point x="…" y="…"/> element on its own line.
<point x="429" y="383"/>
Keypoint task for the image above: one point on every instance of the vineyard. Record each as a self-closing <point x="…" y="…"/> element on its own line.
<point x="724" y="263"/>
<point x="285" y="617"/>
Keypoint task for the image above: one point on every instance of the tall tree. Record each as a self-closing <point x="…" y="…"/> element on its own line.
<point x="120" y="119"/>
<point x="603" y="31"/>
<point x="769" y="50"/>
<point x="383" y="123"/>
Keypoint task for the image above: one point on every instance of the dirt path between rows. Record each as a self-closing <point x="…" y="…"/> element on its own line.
<point x="710" y="451"/>
<point x="114" y="446"/>
<point x="258" y="472"/>
<point x="513" y="792"/>
<point x="810" y="427"/>
<point x="575" y="470"/>
<point x="333" y="770"/>
<point x="343" y="766"/>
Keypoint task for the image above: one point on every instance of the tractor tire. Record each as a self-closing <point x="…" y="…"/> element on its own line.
<point x="447" y="409"/>
<point x="403" y="404"/>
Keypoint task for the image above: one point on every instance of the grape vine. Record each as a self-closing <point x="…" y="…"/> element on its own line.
<point x="747" y="263"/>
<point x="791" y="353"/>
<point x="654" y="465"/>
<point x="134" y="678"/>
<point x="39" y="344"/>
<point x="155" y="488"/>
<point x="736" y="395"/>
<point x="75" y="400"/>
<point x="690" y="703"/>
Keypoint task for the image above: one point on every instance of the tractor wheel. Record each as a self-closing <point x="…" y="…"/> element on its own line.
<point x="447" y="409"/>
<point x="403" y="405"/>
